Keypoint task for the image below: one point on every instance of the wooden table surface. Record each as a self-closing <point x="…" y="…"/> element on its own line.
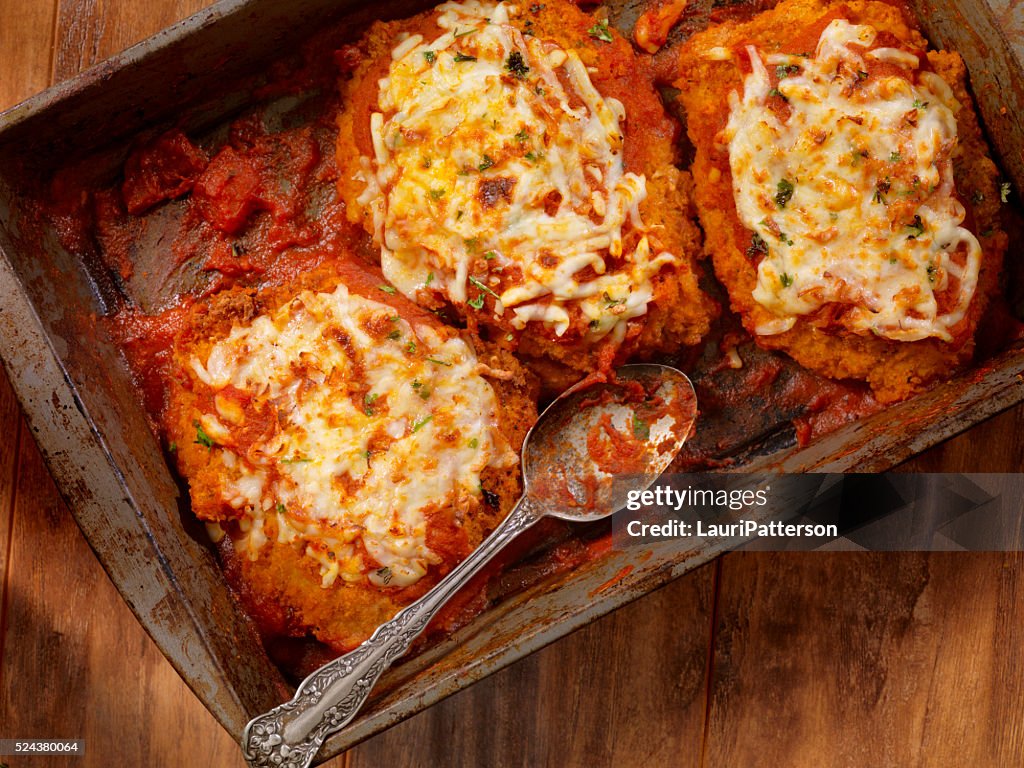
<point x="771" y="660"/>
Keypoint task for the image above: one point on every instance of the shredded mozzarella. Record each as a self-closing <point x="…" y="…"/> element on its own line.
<point x="494" y="147"/>
<point x="852" y="194"/>
<point x="345" y="440"/>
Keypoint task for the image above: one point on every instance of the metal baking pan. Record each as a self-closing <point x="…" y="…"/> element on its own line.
<point x="88" y="421"/>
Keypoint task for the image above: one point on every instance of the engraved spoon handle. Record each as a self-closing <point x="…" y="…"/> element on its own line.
<point x="291" y="734"/>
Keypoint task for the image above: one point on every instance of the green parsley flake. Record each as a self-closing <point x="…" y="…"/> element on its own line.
<point x="757" y="245"/>
<point x="464" y="34"/>
<point x="411" y="347"/>
<point x="474" y="443"/>
<point x="436" y="194"/>
<point x="482" y="287"/>
<point x="490" y="255"/>
<point x="522" y="136"/>
<point x="384" y="574"/>
<point x="395" y="335"/>
<point x="610" y="301"/>
<point x="461" y="57"/>
<point x="895" y="157"/>
<point x="918" y="104"/>
<point x="600" y="31"/>
<point x="430" y="278"/>
<point x="438" y="362"/>
<point x="916" y="228"/>
<point x="486" y="163"/>
<point x="421" y="424"/>
<point x="785" y="70"/>
<point x="281" y="508"/>
<point x="202" y="438"/>
<point x="516" y="65"/>
<point x="430" y="56"/>
<point x="1004" y="191"/>
<point x="786" y="280"/>
<point x="388" y="289"/>
<point x="784" y="193"/>
<point x="641" y="429"/>
<point x="477" y="303"/>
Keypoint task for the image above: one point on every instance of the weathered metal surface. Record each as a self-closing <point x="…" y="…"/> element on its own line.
<point x="104" y="470"/>
<point x="878" y="442"/>
<point x="82" y="408"/>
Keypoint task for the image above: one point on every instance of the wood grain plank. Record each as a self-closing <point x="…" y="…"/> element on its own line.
<point x="628" y="690"/>
<point x="77" y="663"/>
<point x="867" y="659"/>
<point x="633" y="683"/>
<point x="91" y="30"/>
<point x="11" y="426"/>
<point x="996" y="445"/>
<point x="26" y="39"/>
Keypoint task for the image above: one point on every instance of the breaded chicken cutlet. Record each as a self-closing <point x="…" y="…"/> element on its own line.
<point x="846" y="193"/>
<point x="345" y="447"/>
<point x="515" y="162"/>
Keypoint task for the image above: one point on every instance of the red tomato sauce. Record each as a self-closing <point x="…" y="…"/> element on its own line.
<point x="255" y="206"/>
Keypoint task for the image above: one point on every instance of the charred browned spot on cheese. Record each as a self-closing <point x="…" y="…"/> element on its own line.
<point x="552" y="203"/>
<point x="491" y="191"/>
<point x="378" y="326"/>
<point x="351" y="352"/>
<point x="379" y="442"/>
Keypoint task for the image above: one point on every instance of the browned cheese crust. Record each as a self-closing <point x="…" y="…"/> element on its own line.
<point x="278" y="584"/>
<point x="679" y="313"/>
<point x="894" y="369"/>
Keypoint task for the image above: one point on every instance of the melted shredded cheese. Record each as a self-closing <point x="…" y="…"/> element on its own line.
<point x="345" y="440"/>
<point x="851" y="196"/>
<point x="498" y="170"/>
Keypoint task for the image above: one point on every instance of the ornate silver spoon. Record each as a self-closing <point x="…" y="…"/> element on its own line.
<point x="587" y="451"/>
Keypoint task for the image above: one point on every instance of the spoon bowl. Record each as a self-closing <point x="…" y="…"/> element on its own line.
<point x="595" y="444"/>
<point x="588" y="450"/>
